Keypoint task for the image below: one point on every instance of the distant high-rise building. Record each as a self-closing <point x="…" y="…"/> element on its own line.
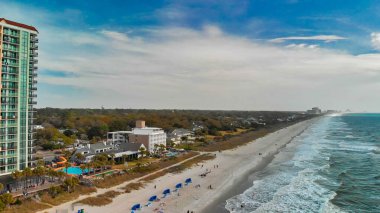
<point x="18" y="54"/>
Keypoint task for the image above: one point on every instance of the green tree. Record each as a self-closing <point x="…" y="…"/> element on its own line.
<point x="67" y="154"/>
<point x="60" y="174"/>
<point x="54" y="191"/>
<point x="142" y="151"/>
<point x="70" y="183"/>
<point x="26" y="173"/>
<point x="39" y="172"/>
<point x="17" y="175"/>
<point x="162" y="148"/>
<point x="7" y="199"/>
<point x="80" y="157"/>
<point x="67" y="165"/>
<point x="51" y="173"/>
<point x="2" y="205"/>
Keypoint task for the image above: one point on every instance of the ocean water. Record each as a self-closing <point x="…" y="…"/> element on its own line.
<point x="334" y="166"/>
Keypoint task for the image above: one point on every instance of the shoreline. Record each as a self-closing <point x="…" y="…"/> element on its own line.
<point x="235" y="166"/>
<point x="243" y="183"/>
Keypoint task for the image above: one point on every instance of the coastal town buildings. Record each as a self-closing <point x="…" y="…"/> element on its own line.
<point x="118" y="151"/>
<point x="18" y="54"/>
<point x="118" y="137"/>
<point x="151" y="137"/>
<point x="314" y="111"/>
<point x="177" y="134"/>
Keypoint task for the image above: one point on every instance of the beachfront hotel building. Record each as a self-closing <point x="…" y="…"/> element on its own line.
<point x="18" y="54"/>
<point x="149" y="136"/>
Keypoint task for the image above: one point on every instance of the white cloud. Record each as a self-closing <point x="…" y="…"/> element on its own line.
<point x="196" y="70"/>
<point x="173" y="67"/>
<point x="375" y="40"/>
<point x="325" y="38"/>
<point x="115" y="35"/>
<point x="310" y="46"/>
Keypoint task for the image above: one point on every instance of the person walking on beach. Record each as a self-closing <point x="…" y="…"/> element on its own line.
<point x="155" y="186"/>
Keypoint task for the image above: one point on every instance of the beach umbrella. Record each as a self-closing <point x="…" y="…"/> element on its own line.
<point x="188" y="180"/>
<point x="136" y="207"/>
<point x="166" y="191"/>
<point x="153" y="198"/>
<point x="178" y="186"/>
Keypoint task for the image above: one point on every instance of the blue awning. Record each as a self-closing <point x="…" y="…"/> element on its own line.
<point x="153" y="198"/>
<point x="188" y="180"/>
<point x="166" y="191"/>
<point x="136" y="207"/>
<point x="178" y="186"/>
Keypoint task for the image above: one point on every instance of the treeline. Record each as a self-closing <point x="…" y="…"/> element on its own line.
<point x="95" y="123"/>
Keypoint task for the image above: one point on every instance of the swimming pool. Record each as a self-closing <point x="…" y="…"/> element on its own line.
<point x="74" y="170"/>
<point x="171" y="154"/>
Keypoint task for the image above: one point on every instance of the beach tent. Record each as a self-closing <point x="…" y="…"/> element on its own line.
<point x="136" y="207"/>
<point x="188" y="180"/>
<point x="178" y="186"/>
<point x="166" y="192"/>
<point x="153" y="198"/>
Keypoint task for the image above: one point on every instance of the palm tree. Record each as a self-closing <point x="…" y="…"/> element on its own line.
<point x="17" y="175"/>
<point x="1" y="187"/>
<point x="82" y="167"/>
<point x="142" y="151"/>
<point x="101" y="160"/>
<point x="7" y="199"/>
<point x="51" y="173"/>
<point x="123" y="157"/>
<point x="89" y="166"/>
<point x="70" y="183"/>
<point x="27" y="172"/>
<point x="60" y="174"/>
<point x="66" y="154"/>
<point x="39" y="172"/>
<point x="155" y="149"/>
<point x="40" y="163"/>
<point x="80" y="157"/>
<point x="112" y="161"/>
<point x="162" y="148"/>
<point x="67" y="165"/>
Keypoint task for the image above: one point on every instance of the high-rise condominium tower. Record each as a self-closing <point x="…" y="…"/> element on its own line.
<point x="18" y="54"/>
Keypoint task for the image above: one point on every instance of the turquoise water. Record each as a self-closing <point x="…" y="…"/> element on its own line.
<point x="334" y="166"/>
<point x="74" y="170"/>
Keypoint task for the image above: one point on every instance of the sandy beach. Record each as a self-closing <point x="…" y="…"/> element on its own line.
<point x="228" y="171"/>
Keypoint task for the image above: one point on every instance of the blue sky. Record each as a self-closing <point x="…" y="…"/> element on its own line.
<point x="205" y="54"/>
<point x="258" y="19"/>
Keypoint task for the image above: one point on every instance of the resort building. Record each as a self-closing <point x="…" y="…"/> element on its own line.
<point x="118" y="151"/>
<point x="176" y="135"/>
<point x="118" y="137"/>
<point x="149" y="136"/>
<point x="18" y="54"/>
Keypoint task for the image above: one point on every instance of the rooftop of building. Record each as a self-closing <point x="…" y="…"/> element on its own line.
<point x="17" y="24"/>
